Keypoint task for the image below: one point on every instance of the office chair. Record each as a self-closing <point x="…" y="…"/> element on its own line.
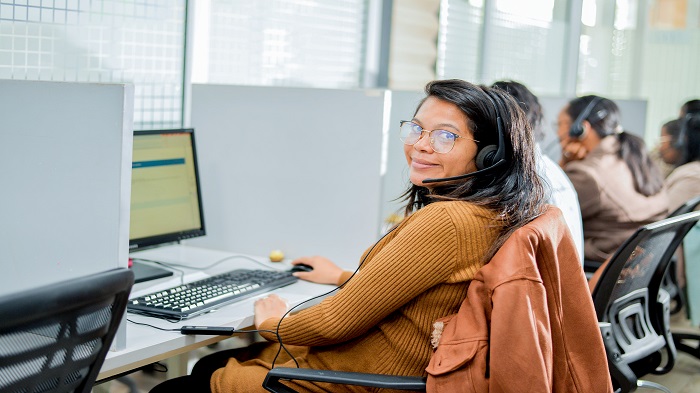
<point x="55" y="338"/>
<point x="542" y="248"/>
<point x="670" y="283"/>
<point x="682" y="339"/>
<point x="633" y="310"/>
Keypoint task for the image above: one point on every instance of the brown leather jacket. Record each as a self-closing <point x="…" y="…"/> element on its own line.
<point x="527" y="324"/>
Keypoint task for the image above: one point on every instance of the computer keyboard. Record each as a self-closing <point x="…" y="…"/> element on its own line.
<point x="194" y="298"/>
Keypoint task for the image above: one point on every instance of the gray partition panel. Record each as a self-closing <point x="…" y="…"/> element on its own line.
<point x="294" y="169"/>
<point x="65" y="168"/>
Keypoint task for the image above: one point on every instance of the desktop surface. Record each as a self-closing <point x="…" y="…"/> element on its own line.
<point x="146" y="344"/>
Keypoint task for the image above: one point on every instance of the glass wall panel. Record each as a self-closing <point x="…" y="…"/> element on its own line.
<point x="101" y="41"/>
<point x="281" y="42"/>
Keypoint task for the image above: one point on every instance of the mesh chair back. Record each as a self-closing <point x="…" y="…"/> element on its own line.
<point x="631" y="309"/>
<point x="55" y="338"/>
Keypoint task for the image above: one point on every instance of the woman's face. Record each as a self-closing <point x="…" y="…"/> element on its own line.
<point x="564" y="123"/>
<point x="423" y="161"/>
<point x="668" y="153"/>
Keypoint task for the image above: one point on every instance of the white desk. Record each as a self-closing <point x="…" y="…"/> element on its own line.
<point x="146" y="345"/>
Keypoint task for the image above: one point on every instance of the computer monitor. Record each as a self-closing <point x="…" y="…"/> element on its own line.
<point x="166" y="201"/>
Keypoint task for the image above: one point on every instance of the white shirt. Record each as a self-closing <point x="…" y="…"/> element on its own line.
<point x="562" y="195"/>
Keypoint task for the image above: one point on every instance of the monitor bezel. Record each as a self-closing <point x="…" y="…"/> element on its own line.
<point x="174" y="237"/>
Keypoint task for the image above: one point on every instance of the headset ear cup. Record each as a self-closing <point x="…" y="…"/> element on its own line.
<point x="576" y="130"/>
<point x="485" y="158"/>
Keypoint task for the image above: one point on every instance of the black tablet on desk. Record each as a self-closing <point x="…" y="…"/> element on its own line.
<point x="145" y="272"/>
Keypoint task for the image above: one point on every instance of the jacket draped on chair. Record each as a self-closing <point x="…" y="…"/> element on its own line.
<point x="527" y="323"/>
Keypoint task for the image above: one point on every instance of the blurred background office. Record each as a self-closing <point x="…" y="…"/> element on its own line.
<point x="622" y="49"/>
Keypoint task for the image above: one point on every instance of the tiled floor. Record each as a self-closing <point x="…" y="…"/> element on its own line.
<point x="684" y="378"/>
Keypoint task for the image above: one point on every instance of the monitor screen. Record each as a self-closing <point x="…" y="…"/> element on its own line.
<point x="166" y="203"/>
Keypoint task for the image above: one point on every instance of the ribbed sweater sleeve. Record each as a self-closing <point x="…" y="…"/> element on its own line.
<point x="423" y="252"/>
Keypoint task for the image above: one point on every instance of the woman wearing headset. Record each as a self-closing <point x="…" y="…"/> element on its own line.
<point x="473" y="181"/>
<point x="618" y="185"/>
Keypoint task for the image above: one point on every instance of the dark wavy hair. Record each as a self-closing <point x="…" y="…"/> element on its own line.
<point x="604" y="117"/>
<point x="513" y="190"/>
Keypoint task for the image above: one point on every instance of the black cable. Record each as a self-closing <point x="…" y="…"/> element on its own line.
<point x="154" y="327"/>
<point x="279" y="338"/>
<point x="167" y="264"/>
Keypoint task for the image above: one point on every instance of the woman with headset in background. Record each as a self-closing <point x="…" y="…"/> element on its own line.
<point x="619" y="187"/>
<point x="473" y="182"/>
<point x="681" y="138"/>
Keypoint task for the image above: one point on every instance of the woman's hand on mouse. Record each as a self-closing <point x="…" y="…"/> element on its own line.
<point x="325" y="271"/>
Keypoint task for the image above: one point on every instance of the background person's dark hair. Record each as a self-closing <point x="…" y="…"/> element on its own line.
<point x="690" y="145"/>
<point x="605" y="120"/>
<point x="673" y="129"/>
<point x="514" y="190"/>
<point x="527" y="101"/>
<point x="691" y="106"/>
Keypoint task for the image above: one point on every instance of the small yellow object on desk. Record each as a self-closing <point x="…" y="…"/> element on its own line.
<point x="276" y="256"/>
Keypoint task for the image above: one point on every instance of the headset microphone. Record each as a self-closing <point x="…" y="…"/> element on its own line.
<point x="466" y="175"/>
<point x="489" y="158"/>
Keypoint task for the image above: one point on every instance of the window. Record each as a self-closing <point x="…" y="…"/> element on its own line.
<point x="105" y="41"/>
<point x="280" y="42"/>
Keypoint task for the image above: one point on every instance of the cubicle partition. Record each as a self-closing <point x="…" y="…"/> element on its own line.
<point x="295" y="169"/>
<point x="65" y="159"/>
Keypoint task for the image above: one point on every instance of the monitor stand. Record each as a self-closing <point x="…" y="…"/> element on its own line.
<point x="146" y="272"/>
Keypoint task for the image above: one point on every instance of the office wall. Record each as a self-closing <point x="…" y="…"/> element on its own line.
<point x="296" y="169"/>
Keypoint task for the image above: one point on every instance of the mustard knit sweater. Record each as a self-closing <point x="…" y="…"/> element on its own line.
<point x="381" y="320"/>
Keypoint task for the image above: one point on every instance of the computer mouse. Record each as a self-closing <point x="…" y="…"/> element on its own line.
<point x="301" y="268"/>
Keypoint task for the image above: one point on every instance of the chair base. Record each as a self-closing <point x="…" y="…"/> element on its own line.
<point x="652" y="385"/>
<point x="681" y="341"/>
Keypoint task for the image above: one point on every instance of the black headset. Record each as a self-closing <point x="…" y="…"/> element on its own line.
<point x="489" y="157"/>
<point x="577" y="130"/>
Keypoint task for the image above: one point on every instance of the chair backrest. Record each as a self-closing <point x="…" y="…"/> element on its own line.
<point x="670" y="281"/>
<point x="55" y="338"/>
<point x="631" y="309"/>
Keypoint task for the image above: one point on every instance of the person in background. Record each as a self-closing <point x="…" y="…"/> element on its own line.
<point x="689" y="107"/>
<point x="619" y="186"/>
<point x="684" y="184"/>
<point x="668" y="142"/>
<point x="561" y="192"/>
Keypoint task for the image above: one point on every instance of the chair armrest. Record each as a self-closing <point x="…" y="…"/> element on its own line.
<point x="272" y="380"/>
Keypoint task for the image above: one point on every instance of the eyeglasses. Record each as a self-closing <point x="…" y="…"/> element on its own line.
<point x="440" y="140"/>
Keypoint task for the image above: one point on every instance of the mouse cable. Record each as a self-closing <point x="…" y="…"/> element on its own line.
<point x="171" y="264"/>
<point x="279" y="338"/>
